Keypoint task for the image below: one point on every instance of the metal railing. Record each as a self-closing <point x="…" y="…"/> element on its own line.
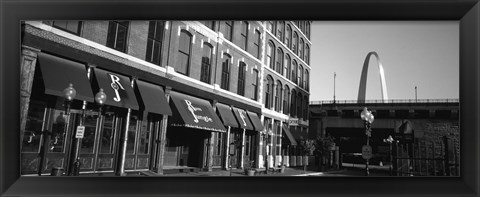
<point x="385" y="101"/>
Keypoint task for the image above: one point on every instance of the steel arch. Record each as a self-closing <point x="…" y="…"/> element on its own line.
<point x="363" y="80"/>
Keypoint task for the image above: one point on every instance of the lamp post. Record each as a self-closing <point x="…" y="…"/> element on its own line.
<point x="390" y="140"/>
<point x="368" y="119"/>
<point x="69" y="94"/>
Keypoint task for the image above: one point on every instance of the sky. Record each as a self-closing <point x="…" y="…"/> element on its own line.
<point x="413" y="53"/>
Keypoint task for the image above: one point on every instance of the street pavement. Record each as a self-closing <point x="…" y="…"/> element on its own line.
<point x="358" y="170"/>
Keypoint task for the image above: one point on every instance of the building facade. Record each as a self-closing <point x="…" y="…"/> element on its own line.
<point x="158" y="95"/>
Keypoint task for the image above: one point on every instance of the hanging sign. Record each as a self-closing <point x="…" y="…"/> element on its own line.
<point x="293" y="122"/>
<point x="80" y="132"/>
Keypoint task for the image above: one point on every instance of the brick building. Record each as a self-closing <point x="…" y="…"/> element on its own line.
<point x="178" y="93"/>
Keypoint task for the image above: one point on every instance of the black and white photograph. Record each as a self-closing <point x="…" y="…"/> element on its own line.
<point x="239" y="98"/>
<point x="269" y="98"/>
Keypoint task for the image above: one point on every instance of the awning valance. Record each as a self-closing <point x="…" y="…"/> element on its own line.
<point x="242" y="119"/>
<point x="286" y="131"/>
<point x="226" y="115"/>
<point x="153" y="98"/>
<point x="58" y="73"/>
<point x="256" y="121"/>
<point x="118" y="89"/>
<point x="192" y="112"/>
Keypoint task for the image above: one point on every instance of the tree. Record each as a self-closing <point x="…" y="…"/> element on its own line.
<point x="322" y="149"/>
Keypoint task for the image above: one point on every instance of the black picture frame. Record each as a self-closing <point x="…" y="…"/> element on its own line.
<point x="465" y="11"/>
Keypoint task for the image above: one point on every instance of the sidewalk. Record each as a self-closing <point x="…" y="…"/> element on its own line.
<point x="289" y="171"/>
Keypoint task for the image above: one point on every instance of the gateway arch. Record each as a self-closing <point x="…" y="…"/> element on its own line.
<point x="363" y="80"/>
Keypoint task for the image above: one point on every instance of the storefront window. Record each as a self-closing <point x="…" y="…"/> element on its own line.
<point x="88" y="140"/>
<point x="132" y="130"/>
<point x="144" y="139"/>
<point x="33" y="128"/>
<point x="57" y="140"/>
<point x="108" y="134"/>
<point x="219" y="137"/>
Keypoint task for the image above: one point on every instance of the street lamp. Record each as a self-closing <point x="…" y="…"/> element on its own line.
<point x="69" y="94"/>
<point x="390" y="140"/>
<point x="368" y="119"/>
<point x="100" y="99"/>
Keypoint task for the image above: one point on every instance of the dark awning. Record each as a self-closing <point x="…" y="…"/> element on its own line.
<point x="58" y="73"/>
<point x="226" y="115"/>
<point x="255" y="120"/>
<point x="242" y="119"/>
<point x="153" y="98"/>
<point x="286" y="131"/>
<point x="194" y="113"/>
<point x="118" y="89"/>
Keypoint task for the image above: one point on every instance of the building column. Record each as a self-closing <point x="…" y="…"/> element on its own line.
<point x="163" y="136"/>
<point x="280" y="157"/>
<point x="210" y="143"/>
<point x="260" y="150"/>
<point x="272" y="148"/>
<point x="227" y="149"/>
<point x="27" y="71"/>
<point x="242" y="150"/>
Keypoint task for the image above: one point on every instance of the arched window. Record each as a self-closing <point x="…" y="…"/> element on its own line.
<point x="286" y="98"/>
<point x="302" y="26"/>
<point x="300" y="49"/>
<point x="305" y="108"/>
<point x="271" y="55"/>
<point x="294" y="71"/>
<point x="184" y="48"/>
<point x="307" y="81"/>
<point x="269" y="92"/>
<point x="257" y="39"/>
<point x="287" y="66"/>
<point x="280" y="29"/>
<point x="270" y="25"/>
<point x="300" y="76"/>
<point x="206" y="63"/>
<point x="255" y="84"/>
<point x="288" y="37"/>
<point x="225" y="81"/>
<point x="299" y="105"/>
<point x="307" y="54"/>
<point x="244" y="35"/>
<point x="295" y="43"/>
<point x="293" y="108"/>
<point x="241" y="79"/>
<point x="278" y="96"/>
<point x="279" y="63"/>
<point x="307" y="30"/>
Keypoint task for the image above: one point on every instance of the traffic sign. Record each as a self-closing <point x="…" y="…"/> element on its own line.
<point x="366" y="152"/>
<point x="80" y="131"/>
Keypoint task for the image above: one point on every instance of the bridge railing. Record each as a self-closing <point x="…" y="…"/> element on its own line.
<point x="385" y="101"/>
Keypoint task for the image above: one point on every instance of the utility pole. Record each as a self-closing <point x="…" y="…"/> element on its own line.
<point x="334" y="76"/>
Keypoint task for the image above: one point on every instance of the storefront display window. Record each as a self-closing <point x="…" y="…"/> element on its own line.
<point x="33" y="128"/>
<point x="88" y="140"/>
<point x="57" y="140"/>
<point x="108" y="134"/>
<point x="132" y="130"/>
<point x="144" y="139"/>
